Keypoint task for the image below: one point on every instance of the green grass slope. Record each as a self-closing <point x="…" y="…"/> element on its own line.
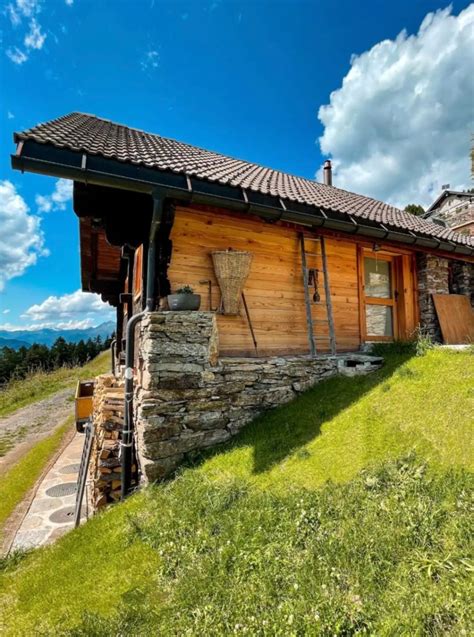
<point x="421" y="403"/>
<point x="35" y="387"/>
<point x="255" y="540"/>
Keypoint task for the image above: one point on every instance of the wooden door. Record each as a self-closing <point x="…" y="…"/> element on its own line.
<point x="378" y="297"/>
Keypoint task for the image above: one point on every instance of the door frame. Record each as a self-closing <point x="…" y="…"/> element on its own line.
<point x="364" y="300"/>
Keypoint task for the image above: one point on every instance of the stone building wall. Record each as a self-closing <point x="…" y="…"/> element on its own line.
<point x="433" y="278"/>
<point x="437" y="275"/>
<point x="186" y="398"/>
<point x="462" y="279"/>
<point x="457" y="212"/>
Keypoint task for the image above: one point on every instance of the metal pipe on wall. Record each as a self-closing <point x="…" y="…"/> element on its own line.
<point x="126" y="443"/>
<point x="113" y="350"/>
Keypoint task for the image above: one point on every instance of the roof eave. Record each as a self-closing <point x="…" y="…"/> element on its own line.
<point x="49" y="160"/>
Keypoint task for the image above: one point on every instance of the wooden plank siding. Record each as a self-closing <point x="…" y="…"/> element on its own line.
<point x="274" y="289"/>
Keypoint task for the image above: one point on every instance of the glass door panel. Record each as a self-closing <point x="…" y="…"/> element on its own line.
<point x="378" y="278"/>
<point x="379" y="297"/>
<point x="379" y="320"/>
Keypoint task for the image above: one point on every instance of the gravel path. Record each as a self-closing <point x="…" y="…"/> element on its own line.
<point x="20" y="430"/>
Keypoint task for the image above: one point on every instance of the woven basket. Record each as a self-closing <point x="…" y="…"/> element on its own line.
<point x="232" y="269"/>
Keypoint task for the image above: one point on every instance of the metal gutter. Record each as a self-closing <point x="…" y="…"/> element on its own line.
<point x="126" y="444"/>
<point x="92" y="169"/>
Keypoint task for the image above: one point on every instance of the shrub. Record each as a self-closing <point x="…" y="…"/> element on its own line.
<point x="186" y="289"/>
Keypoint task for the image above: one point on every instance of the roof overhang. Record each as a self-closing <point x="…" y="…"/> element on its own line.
<point x="101" y="263"/>
<point x="444" y="195"/>
<point x="49" y="160"/>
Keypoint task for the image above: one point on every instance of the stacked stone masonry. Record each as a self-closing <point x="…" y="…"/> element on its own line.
<point x="187" y="399"/>
<point x="437" y="275"/>
<point x="433" y="278"/>
<point x="462" y="279"/>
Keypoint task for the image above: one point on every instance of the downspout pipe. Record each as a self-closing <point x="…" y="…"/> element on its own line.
<point x="113" y="353"/>
<point x="127" y="431"/>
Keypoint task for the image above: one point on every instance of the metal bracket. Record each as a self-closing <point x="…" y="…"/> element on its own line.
<point x="208" y="282"/>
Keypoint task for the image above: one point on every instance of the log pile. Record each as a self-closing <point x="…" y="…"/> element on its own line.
<point x="105" y="469"/>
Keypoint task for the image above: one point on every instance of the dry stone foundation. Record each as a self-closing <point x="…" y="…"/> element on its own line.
<point x="187" y="398"/>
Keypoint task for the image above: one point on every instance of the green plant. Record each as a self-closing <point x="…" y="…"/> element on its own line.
<point x="393" y="348"/>
<point x="186" y="289"/>
<point x="423" y="343"/>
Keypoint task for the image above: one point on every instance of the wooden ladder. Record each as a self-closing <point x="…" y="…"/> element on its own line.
<point x="307" y="274"/>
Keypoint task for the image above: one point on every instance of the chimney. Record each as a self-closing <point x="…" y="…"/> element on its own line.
<point x="327" y="172"/>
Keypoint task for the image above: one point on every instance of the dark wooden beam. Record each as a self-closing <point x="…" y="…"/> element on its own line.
<point x="124" y="215"/>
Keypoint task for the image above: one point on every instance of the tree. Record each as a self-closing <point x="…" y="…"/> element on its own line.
<point x="414" y="209"/>
<point x="59" y="352"/>
<point x="18" y="363"/>
<point x="82" y="354"/>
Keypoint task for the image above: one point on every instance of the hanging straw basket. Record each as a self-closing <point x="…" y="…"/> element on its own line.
<point x="232" y="269"/>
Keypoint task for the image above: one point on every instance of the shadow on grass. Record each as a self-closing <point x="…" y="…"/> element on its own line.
<point x="283" y="431"/>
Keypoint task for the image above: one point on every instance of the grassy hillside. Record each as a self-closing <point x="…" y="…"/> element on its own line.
<point x="40" y="385"/>
<point x="255" y="540"/>
<point x="343" y="425"/>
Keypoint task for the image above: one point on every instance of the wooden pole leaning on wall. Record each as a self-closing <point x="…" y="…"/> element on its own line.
<point x="244" y="300"/>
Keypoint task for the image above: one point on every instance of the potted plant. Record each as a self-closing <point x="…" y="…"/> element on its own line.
<point x="184" y="299"/>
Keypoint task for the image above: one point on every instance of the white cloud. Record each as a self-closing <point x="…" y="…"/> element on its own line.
<point x="58" y="199"/>
<point x="58" y="325"/>
<point x="34" y="39"/>
<point x="150" y="60"/>
<point x="22" y="9"/>
<point x="77" y="306"/>
<point x="6" y="312"/>
<point x="16" y="55"/>
<point x="10" y="115"/>
<point x="25" y="239"/>
<point x="401" y="124"/>
<point x="69" y="2"/>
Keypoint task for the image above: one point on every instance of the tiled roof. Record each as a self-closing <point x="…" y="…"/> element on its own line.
<point x="95" y="136"/>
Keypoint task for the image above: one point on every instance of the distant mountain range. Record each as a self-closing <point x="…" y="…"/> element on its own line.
<point x="47" y="336"/>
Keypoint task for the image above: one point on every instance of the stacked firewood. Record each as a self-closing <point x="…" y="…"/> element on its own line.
<point x="105" y="469"/>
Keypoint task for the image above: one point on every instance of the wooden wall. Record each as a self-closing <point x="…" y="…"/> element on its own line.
<point x="274" y="289"/>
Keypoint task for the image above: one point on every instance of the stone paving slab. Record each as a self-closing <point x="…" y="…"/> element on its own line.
<point x="37" y="528"/>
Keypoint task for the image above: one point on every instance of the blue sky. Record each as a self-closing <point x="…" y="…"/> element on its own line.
<point x="245" y="78"/>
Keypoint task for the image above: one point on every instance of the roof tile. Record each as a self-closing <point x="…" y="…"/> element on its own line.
<point x="92" y="135"/>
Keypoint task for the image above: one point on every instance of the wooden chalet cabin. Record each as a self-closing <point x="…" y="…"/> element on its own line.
<point x="212" y="202"/>
<point x="152" y="211"/>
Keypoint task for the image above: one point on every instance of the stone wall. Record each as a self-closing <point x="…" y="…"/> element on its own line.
<point x="437" y="275"/>
<point x="433" y="278"/>
<point x="186" y="398"/>
<point x="462" y="279"/>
